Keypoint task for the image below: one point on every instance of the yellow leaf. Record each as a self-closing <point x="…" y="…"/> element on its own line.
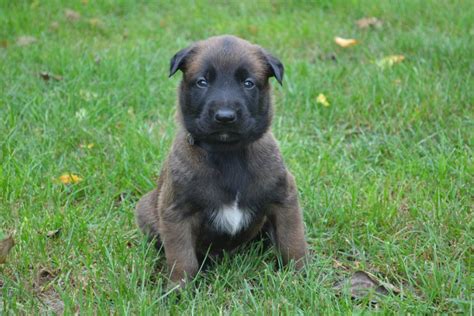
<point x="389" y="61"/>
<point x="68" y="178"/>
<point x="5" y="246"/>
<point x="321" y="99"/>
<point x="345" y="42"/>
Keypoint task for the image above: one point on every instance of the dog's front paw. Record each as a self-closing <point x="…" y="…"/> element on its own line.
<point x="176" y="286"/>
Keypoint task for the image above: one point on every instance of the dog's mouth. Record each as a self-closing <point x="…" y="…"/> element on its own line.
<point x="225" y="137"/>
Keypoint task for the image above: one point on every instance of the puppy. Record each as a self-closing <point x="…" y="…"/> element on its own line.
<point x="224" y="181"/>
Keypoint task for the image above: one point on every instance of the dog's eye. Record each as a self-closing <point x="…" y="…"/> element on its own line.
<point x="249" y="84"/>
<point x="202" y="83"/>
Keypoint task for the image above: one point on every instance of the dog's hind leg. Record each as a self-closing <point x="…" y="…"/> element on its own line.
<point x="147" y="216"/>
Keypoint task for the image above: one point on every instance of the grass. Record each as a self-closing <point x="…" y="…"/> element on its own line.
<point x="385" y="173"/>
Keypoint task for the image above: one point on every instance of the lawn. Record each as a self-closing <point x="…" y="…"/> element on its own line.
<point x="384" y="170"/>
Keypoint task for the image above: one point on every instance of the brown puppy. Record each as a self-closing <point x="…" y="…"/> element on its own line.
<point x="224" y="181"/>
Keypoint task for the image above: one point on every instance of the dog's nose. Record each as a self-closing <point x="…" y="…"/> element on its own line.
<point x="225" y="116"/>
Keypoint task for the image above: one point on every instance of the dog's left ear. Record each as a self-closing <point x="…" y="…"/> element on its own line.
<point x="276" y="67"/>
<point x="179" y="60"/>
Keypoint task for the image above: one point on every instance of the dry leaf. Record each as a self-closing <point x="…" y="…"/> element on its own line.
<point x="25" y="40"/>
<point x="345" y="42"/>
<point x="72" y="15"/>
<point x="46" y="76"/>
<point x="5" y="247"/>
<point x="54" y="233"/>
<point x="85" y="2"/>
<point x="389" y="61"/>
<point x="362" y="283"/>
<point x="321" y="99"/>
<point x="68" y="178"/>
<point x="3" y="43"/>
<point x="369" y="22"/>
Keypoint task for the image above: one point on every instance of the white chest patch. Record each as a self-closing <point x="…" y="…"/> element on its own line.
<point x="230" y="218"/>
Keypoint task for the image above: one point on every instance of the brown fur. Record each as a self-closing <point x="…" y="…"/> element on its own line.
<point x="171" y="212"/>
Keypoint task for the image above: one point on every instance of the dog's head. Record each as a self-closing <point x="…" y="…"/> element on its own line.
<point x="225" y="93"/>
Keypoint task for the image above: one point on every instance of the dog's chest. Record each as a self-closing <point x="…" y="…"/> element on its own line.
<point x="230" y="218"/>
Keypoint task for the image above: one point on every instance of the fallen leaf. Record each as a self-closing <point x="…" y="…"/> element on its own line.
<point x="72" y="15"/>
<point x="362" y="283"/>
<point x="54" y="233"/>
<point x="6" y="245"/>
<point x="389" y="61"/>
<point x="25" y="40"/>
<point x="321" y="99"/>
<point x="68" y="178"/>
<point x="369" y="22"/>
<point x="85" y="2"/>
<point x="345" y="42"/>
<point x="46" y="76"/>
<point x="3" y="43"/>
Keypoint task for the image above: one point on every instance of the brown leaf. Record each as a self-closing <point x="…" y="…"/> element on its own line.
<point x="25" y="40"/>
<point x="5" y="247"/>
<point x="54" y="233"/>
<point x="3" y="43"/>
<point x="46" y="76"/>
<point x="72" y="15"/>
<point x="369" y="22"/>
<point x="362" y="283"/>
<point x="345" y="42"/>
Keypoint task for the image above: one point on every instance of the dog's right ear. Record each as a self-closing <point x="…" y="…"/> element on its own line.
<point x="179" y="60"/>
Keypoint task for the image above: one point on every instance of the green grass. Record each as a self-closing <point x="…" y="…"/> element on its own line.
<point x="385" y="173"/>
